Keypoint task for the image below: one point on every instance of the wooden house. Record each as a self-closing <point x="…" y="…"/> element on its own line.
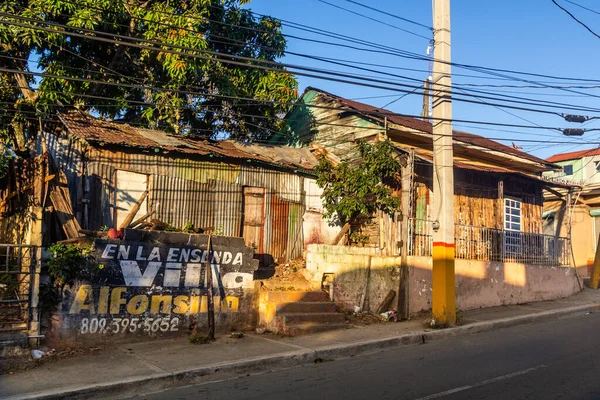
<point x="498" y="189"/>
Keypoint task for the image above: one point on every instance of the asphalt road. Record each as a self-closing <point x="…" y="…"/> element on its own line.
<point x="551" y="360"/>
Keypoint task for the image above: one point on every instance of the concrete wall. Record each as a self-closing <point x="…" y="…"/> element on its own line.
<point x="153" y="284"/>
<point x="349" y="266"/>
<point x="583" y="235"/>
<point x="482" y="284"/>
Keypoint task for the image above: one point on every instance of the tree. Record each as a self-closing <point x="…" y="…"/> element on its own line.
<point x="172" y="90"/>
<point x="353" y="190"/>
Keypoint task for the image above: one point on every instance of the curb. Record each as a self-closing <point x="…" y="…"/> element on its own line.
<point x="166" y="380"/>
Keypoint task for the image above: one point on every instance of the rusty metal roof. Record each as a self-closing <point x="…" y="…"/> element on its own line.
<point x="424" y="126"/>
<point x="494" y="169"/>
<point x="99" y="132"/>
<point x="574" y="155"/>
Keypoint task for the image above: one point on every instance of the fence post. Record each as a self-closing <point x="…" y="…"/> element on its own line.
<point x="34" y="290"/>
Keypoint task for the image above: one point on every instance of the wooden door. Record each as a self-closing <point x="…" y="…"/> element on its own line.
<point x="253" y="218"/>
<point x="129" y="187"/>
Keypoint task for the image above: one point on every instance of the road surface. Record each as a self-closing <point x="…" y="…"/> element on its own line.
<point x="551" y="360"/>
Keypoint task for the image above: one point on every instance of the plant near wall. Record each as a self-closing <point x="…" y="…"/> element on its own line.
<point x="354" y="190"/>
<point x="70" y="263"/>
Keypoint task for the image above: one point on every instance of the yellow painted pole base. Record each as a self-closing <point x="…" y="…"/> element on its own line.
<point x="443" y="301"/>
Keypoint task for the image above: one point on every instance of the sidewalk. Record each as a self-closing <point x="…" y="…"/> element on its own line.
<point x="131" y="369"/>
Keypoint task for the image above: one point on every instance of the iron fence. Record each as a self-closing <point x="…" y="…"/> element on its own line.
<point x="17" y="264"/>
<point x="489" y="244"/>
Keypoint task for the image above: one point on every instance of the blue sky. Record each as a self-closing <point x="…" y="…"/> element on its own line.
<point x="529" y="36"/>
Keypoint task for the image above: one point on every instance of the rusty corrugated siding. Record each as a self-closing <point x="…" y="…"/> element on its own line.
<point x="192" y="170"/>
<point x="208" y="195"/>
<point x="295" y="242"/>
<point x="287" y="186"/>
<point x="228" y="208"/>
<point x="178" y="201"/>
<point x="268" y="225"/>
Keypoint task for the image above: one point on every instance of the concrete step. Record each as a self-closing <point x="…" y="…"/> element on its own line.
<point x="294" y="296"/>
<point x="304" y="328"/>
<point x="305" y="307"/>
<point x="316" y="318"/>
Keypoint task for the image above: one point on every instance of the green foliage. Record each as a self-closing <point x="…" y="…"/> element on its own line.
<point x="188" y="228"/>
<point x="359" y="238"/>
<point x="219" y="230"/>
<point x="177" y="92"/>
<point x="71" y="262"/>
<point x="353" y="190"/>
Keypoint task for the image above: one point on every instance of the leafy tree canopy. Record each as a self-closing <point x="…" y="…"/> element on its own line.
<point x="172" y="91"/>
<point x="354" y="190"/>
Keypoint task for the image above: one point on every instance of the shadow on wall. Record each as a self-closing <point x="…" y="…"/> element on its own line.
<point x="482" y="284"/>
<point x="478" y="283"/>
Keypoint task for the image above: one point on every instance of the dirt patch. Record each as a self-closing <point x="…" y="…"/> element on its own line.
<point x="13" y="365"/>
<point x="289" y="276"/>
<point x="363" y="318"/>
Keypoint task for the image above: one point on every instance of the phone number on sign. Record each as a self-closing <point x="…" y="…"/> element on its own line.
<point x="122" y="325"/>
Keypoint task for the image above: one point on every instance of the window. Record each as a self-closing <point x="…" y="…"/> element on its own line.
<point x="512" y="215"/>
<point x="568" y="170"/>
<point x="597" y="165"/>
<point x="512" y="227"/>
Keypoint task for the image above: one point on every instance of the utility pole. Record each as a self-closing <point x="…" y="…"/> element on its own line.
<point x="443" y="300"/>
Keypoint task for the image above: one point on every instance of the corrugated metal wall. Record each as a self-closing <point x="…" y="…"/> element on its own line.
<point x="178" y="202"/>
<point x="208" y="195"/>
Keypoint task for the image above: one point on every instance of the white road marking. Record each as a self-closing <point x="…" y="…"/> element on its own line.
<point x="481" y="383"/>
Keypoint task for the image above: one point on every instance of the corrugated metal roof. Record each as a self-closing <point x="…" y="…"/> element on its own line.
<point x="496" y="169"/>
<point x="98" y="132"/>
<point x="424" y="126"/>
<point x="574" y="155"/>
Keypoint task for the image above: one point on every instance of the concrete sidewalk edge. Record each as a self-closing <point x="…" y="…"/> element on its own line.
<point x="161" y="381"/>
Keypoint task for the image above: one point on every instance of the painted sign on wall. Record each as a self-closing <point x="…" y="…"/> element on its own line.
<point x="153" y="284"/>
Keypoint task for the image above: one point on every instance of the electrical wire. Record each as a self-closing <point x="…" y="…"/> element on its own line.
<point x="354" y="40"/>
<point x="577" y="20"/>
<point x="585" y="8"/>
<point x="390" y="14"/>
<point x="374" y="19"/>
<point x="279" y="68"/>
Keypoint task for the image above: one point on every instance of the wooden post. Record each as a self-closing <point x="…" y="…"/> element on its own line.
<point x="341" y="234"/>
<point x="134" y="210"/>
<point x="209" y="294"/>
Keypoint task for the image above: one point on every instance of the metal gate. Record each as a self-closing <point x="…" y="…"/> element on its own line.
<point x="17" y="269"/>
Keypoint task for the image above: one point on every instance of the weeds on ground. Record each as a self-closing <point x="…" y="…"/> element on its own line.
<point x="199" y="339"/>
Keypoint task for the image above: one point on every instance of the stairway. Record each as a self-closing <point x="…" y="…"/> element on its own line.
<point x="297" y="312"/>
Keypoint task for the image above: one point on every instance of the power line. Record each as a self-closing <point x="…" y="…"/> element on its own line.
<point x="377" y="113"/>
<point x="343" y="63"/>
<point x="390" y="14"/>
<point x="585" y="8"/>
<point x="373" y="19"/>
<point x="280" y="66"/>
<point x="577" y="20"/>
<point x="397" y="52"/>
<point x="457" y="135"/>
